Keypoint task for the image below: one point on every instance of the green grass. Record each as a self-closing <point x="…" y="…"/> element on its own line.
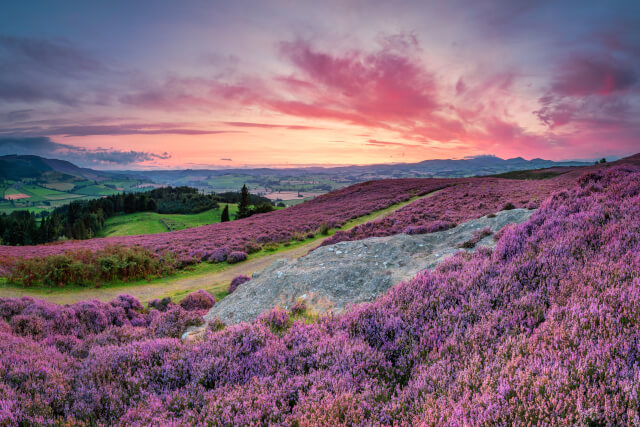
<point x="94" y="190"/>
<point x="151" y="222"/>
<point x="53" y="193"/>
<point x="205" y="268"/>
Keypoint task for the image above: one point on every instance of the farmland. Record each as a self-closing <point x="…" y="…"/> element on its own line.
<point x="46" y="195"/>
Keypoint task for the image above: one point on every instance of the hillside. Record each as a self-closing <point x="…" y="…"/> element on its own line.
<point x="38" y="184"/>
<point x="541" y="329"/>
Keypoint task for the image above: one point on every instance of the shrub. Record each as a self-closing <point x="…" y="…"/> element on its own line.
<point x="160" y="304"/>
<point x="253" y="247"/>
<point x="324" y="229"/>
<point x="199" y="300"/>
<point x="508" y="206"/>
<point x="216" y="325"/>
<point x="277" y="319"/>
<point x="237" y="281"/>
<point x="477" y="236"/>
<point x="174" y="321"/>
<point x="271" y="246"/>
<point x="217" y="255"/>
<point x="236" y="256"/>
<point x="85" y="268"/>
<point x="298" y="308"/>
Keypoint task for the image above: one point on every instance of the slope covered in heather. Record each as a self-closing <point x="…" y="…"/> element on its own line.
<point x="542" y="329"/>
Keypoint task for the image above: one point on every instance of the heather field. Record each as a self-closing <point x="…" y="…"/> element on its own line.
<point x="541" y="330"/>
<point x="216" y="241"/>
<point x="470" y="199"/>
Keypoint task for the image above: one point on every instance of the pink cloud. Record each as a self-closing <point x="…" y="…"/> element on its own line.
<point x="376" y="143"/>
<point x="383" y="86"/>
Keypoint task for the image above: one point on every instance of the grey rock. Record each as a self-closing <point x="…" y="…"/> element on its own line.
<point x="329" y="283"/>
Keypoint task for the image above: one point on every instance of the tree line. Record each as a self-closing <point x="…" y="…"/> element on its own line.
<point x="84" y="219"/>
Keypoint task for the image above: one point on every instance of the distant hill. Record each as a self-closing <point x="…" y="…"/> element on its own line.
<point x="322" y="179"/>
<point x="40" y="184"/>
<point x="440" y="168"/>
<point x="17" y="167"/>
<point x="277" y="184"/>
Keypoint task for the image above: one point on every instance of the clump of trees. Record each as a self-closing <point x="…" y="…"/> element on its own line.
<point x="244" y="205"/>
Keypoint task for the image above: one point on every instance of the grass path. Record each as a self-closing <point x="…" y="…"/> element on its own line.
<point x="214" y="278"/>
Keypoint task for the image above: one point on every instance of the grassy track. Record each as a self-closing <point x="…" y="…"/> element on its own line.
<point x="214" y="278"/>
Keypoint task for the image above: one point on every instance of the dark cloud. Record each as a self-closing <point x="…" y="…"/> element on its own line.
<point x="49" y="56"/>
<point x="36" y="70"/>
<point x="17" y="115"/>
<point x="45" y="147"/>
<point x="590" y="91"/>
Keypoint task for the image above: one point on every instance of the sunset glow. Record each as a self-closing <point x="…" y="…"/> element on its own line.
<point x="280" y="83"/>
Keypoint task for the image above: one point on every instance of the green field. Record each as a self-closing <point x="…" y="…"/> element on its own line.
<point x="46" y="195"/>
<point x="152" y="222"/>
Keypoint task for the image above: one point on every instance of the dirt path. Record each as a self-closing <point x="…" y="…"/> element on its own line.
<point x="178" y="286"/>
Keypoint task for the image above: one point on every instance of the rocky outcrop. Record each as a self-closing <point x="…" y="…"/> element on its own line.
<point x="332" y="277"/>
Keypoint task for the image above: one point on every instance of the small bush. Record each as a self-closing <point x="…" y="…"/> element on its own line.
<point x="508" y="206"/>
<point x="199" y="300"/>
<point x="217" y="255"/>
<point x="477" y="236"/>
<point x="160" y="304"/>
<point x="253" y="247"/>
<point x="298" y="308"/>
<point x="216" y="325"/>
<point x="271" y="246"/>
<point x="237" y="281"/>
<point x="277" y="319"/>
<point x="324" y="229"/>
<point x="236" y="256"/>
<point x="173" y="322"/>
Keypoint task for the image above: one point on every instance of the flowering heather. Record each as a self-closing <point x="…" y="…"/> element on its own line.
<point x="236" y="256"/>
<point x="237" y="281"/>
<point x="215" y="242"/>
<point x="198" y="301"/>
<point x="542" y="330"/>
<point x="469" y="199"/>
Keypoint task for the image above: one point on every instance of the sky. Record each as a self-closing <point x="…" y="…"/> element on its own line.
<point x="195" y="84"/>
